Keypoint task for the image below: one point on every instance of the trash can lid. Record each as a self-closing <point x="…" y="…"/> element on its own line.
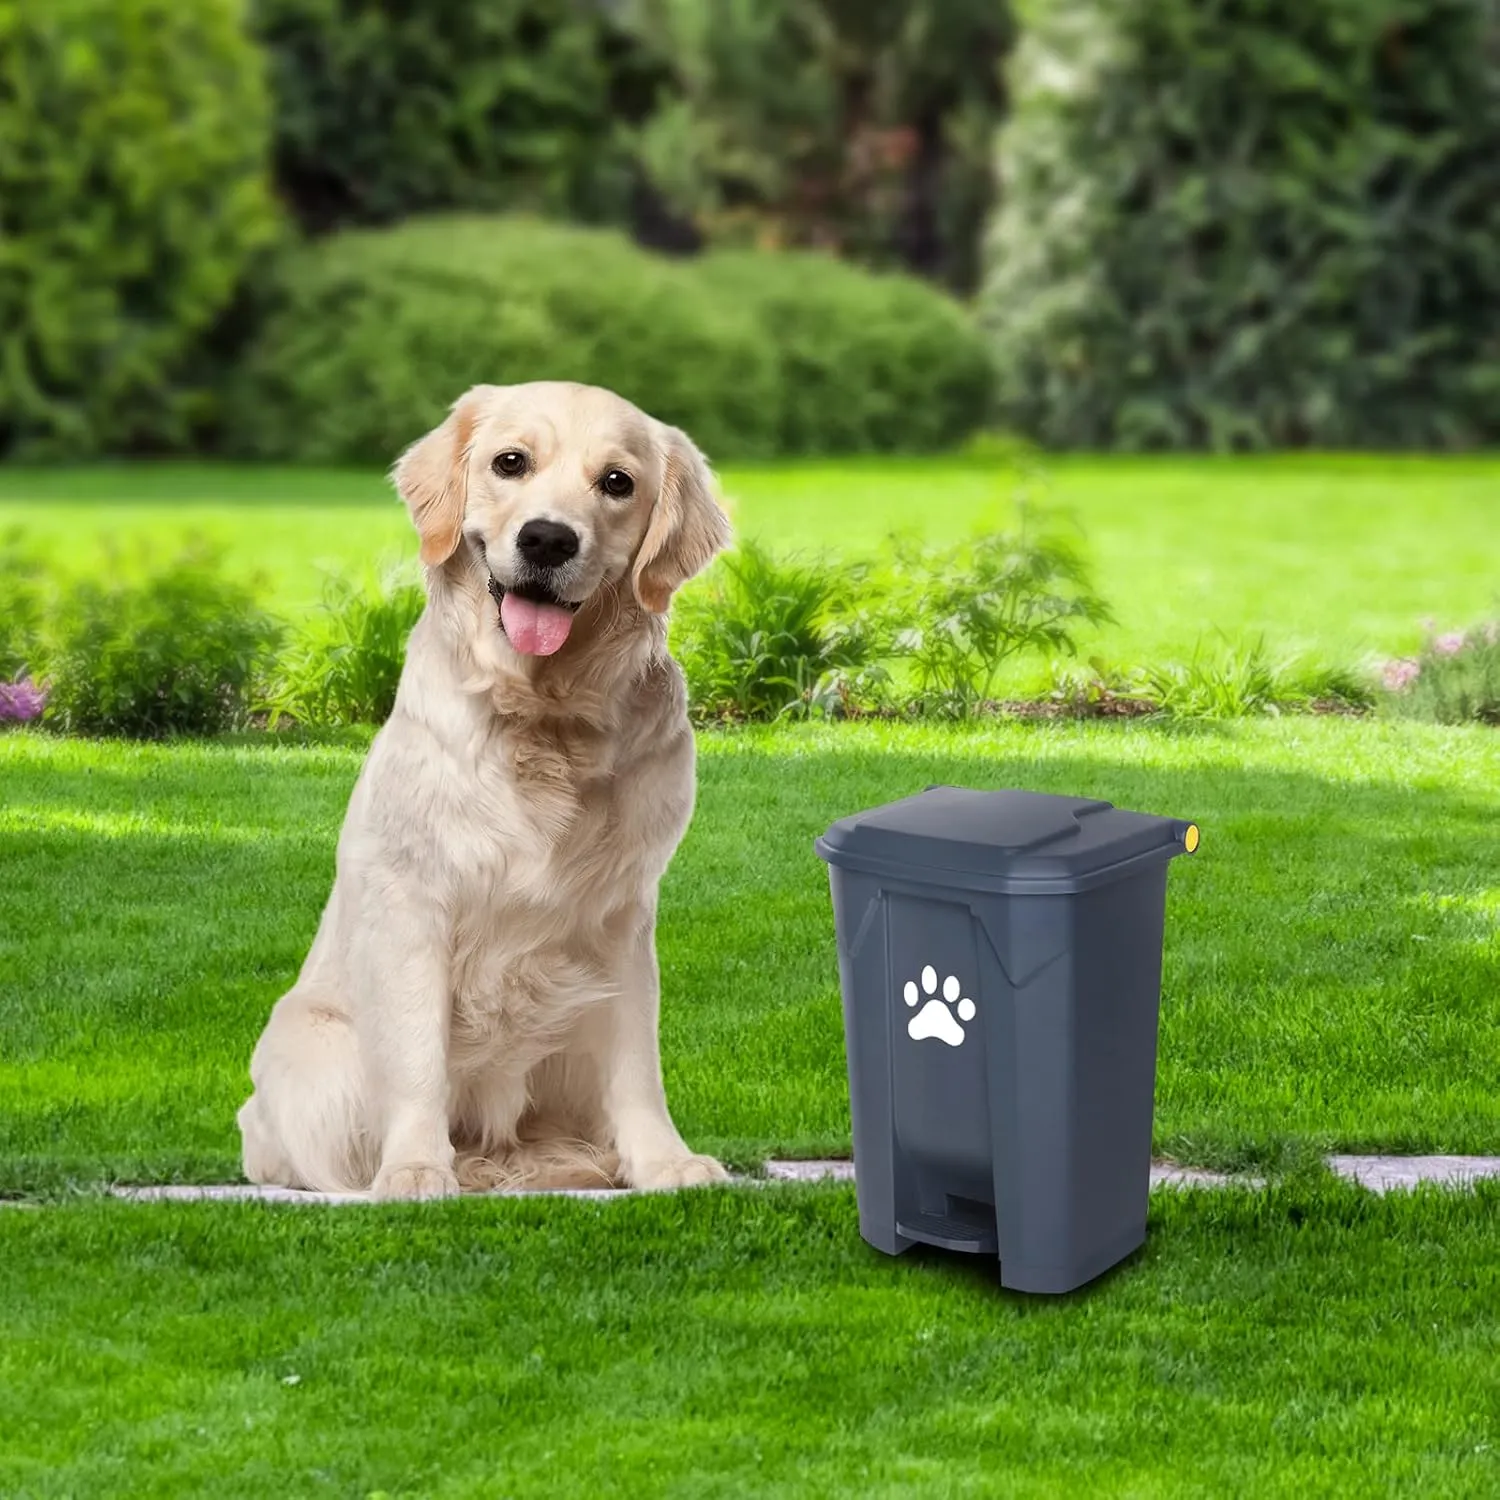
<point x="1003" y="840"/>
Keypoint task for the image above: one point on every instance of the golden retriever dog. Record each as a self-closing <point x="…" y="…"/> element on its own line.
<point x="479" y="1006"/>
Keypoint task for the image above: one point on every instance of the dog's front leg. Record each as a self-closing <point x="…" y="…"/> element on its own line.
<point x="401" y="1016"/>
<point x="623" y="1034"/>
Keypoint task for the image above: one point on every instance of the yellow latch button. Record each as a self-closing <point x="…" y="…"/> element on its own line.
<point x="1190" y="838"/>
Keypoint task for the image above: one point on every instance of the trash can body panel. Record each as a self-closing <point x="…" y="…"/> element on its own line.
<point x="1001" y="1033"/>
<point x="939" y="1076"/>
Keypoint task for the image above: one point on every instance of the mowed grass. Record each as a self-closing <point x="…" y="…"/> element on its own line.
<point x="1337" y="557"/>
<point x="1331" y="980"/>
<point x="1332" y="954"/>
<point x="1308" y="1340"/>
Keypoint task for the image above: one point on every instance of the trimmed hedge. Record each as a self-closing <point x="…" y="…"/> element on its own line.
<point x="385" y="110"/>
<point x="375" y="332"/>
<point x="1252" y="223"/>
<point x="134" y="146"/>
<point x="372" y="333"/>
<point x="865" y="361"/>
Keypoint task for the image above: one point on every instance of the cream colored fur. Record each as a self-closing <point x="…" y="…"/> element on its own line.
<point x="479" y="1006"/>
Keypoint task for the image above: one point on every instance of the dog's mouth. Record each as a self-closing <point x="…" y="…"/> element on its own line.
<point x="535" y="621"/>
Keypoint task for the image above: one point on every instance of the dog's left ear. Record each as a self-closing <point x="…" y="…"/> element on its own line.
<point x="687" y="527"/>
<point x="432" y="477"/>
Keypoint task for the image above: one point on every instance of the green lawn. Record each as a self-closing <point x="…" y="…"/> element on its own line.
<point x="1331" y="980"/>
<point x="1339" y="556"/>
<point x="1307" y="1341"/>
<point x="1332" y="965"/>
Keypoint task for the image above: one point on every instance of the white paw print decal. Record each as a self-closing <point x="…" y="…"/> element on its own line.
<point x="935" y="1019"/>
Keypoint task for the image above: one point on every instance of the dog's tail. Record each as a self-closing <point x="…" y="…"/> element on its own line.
<point x="539" y="1166"/>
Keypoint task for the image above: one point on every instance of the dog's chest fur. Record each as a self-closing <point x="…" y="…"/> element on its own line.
<point x="569" y="842"/>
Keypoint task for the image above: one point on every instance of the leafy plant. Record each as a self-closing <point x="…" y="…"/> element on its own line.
<point x="370" y="334"/>
<point x="762" y="638"/>
<point x="1096" y="690"/>
<point x="134" y="199"/>
<point x="162" y="649"/>
<point x="1250" y="225"/>
<point x="1454" y="680"/>
<point x="865" y="362"/>
<point x="976" y="607"/>
<point x="344" y="665"/>
<point x="864" y="128"/>
<point x="385" y="110"/>
<point x="1235" y="684"/>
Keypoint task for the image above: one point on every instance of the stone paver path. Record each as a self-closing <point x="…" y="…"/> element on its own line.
<point x="1379" y="1174"/>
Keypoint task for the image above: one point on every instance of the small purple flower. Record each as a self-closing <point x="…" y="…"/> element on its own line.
<point x="1450" y="644"/>
<point x="21" y="702"/>
<point x="1401" y="673"/>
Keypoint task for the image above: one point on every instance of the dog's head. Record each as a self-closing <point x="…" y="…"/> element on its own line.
<point x="558" y="492"/>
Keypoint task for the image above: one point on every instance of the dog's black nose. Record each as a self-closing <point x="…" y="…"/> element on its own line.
<point x="547" y="544"/>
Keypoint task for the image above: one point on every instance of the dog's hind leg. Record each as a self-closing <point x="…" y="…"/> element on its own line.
<point x="306" y="1125"/>
<point x="517" y="1132"/>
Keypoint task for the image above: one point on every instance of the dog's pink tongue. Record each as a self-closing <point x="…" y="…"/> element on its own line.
<point x="534" y="629"/>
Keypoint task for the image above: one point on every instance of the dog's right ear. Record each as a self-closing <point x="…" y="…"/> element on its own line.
<point x="432" y="477"/>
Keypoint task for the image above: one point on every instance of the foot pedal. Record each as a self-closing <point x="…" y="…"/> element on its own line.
<point x="948" y="1233"/>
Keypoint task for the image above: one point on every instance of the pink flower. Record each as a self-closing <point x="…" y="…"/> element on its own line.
<point x="1450" y="644"/>
<point x="1401" y="673"/>
<point x="22" y="701"/>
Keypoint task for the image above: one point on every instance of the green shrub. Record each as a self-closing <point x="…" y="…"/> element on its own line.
<point x="976" y="606"/>
<point x="1454" y="680"/>
<point x="765" y="638"/>
<point x="386" y="110"/>
<point x="1249" y="224"/>
<point x="134" y="145"/>
<point x="161" y="649"/>
<point x="373" y="333"/>
<point x="865" y="361"/>
<point x="344" y="665"/>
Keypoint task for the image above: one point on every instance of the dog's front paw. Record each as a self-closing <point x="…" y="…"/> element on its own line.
<point x="414" y="1179"/>
<point x="678" y="1172"/>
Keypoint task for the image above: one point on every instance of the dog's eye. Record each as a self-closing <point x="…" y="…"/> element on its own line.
<point x="511" y="464"/>
<point x="618" y="483"/>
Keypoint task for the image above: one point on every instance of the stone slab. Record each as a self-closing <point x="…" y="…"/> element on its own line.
<point x="1379" y="1174"/>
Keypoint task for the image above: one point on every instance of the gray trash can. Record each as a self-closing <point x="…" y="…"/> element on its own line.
<point x="1000" y="957"/>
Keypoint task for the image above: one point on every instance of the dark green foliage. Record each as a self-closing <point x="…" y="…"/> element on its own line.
<point x="155" y="650"/>
<point x="857" y="125"/>
<point x="373" y="333"/>
<point x="344" y="664"/>
<point x="134" y="140"/>
<point x="865" y="361"/>
<point x="1252" y="223"/>
<point x="385" y="108"/>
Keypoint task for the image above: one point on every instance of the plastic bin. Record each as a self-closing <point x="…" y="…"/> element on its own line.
<point x="1000" y="959"/>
